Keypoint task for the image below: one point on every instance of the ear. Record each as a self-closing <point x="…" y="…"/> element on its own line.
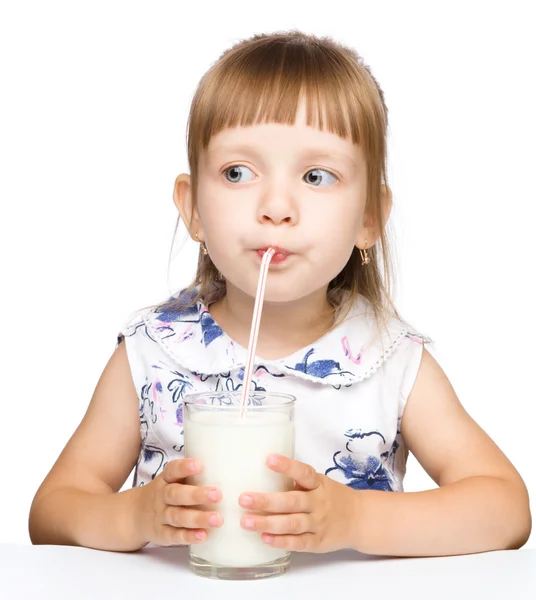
<point x="370" y="232"/>
<point x="182" y="198"/>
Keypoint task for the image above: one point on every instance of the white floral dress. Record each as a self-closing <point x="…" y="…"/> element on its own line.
<point x="351" y="387"/>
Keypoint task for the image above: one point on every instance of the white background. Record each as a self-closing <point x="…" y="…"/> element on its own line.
<point x="94" y="101"/>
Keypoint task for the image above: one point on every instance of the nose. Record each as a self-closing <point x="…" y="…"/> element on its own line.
<point x="277" y="206"/>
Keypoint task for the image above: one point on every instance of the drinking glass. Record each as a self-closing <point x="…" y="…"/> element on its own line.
<point x="233" y="443"/>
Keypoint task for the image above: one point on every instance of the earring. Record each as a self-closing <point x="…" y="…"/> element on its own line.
<point x="203" y="247"/>
<point x="365" y="258"/>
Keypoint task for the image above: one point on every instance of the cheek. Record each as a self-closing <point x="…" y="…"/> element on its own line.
<point x="336" y="253"/>
<point x="336" y="235"/>
<point x="334" y="228"/>
<point x="225" y="226"/>
<point x="213" y="207"/>
<point x="228" y="220"/>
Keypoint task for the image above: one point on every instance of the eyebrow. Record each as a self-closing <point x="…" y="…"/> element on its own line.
<point x="309" y="154"/>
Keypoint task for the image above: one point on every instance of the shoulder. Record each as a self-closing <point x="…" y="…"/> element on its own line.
<point x="158" y="317"/>
<point x="132" y="324"/>
<point x="369" y="342"/>
<point x="394" y="345"/>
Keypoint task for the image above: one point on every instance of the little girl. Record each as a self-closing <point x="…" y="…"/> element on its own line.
<point x="286" y="148"/>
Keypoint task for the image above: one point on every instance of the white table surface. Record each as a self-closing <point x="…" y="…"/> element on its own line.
<point x="58" y="572"/>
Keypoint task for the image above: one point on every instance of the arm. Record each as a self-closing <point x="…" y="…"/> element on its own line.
<point x="482" y="503"/>
<point x="76" y="503"/>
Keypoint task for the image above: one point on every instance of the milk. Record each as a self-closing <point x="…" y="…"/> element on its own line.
<point x="233" y="449"/>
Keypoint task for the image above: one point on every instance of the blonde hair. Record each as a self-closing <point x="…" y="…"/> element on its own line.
<point x="261" y="79"/>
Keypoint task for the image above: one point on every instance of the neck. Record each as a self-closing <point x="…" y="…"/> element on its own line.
<point x="285" y="327"/>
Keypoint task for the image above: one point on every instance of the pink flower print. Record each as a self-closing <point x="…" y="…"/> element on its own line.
<point x="348" y="352"/>
<point x="415" y="339"/>
<point x="168" y="327"/>
<point x="187" y="334"/>
<point x="157" y="391"/>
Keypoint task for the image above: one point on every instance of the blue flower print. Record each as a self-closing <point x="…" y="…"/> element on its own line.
<point x="256" y="399"/>
<point x="362" y="471"/>
<point x="210" y="330"/>
<point x="179" y="414"/>
<point x="226" y="383"/>
<point x="261" y="368"/>
<point x="388" y="457"/>
<point x="146" y="403"/>
<point x="217" y="399"/>
<point x="161" y="329"/>
<point x="182" y="314"/>
<point x="359" y="435"/>
<point x="201" y="376"/>
<point x="155" y="456"/>
<point x="179" y="386"/>
<point x="319" y="368"/>
<point x="363" y="475"/>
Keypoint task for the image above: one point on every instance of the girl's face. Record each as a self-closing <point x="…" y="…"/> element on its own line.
<point x="290" y="186"/>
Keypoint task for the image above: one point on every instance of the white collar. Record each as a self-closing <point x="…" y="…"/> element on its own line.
<point x="351" y="352"/>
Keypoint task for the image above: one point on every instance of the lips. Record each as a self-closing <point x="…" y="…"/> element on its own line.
<point x="277" y="249"/>
<point x="281" y="254"/>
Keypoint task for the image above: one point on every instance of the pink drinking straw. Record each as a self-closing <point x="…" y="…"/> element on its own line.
<point x="255" y="324"/>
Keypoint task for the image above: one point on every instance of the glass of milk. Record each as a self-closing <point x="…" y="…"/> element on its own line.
<point x="233" y="444"/>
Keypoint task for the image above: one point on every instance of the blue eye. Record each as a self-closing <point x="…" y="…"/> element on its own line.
<point x="318" y="178"/>
<point x="234" y="170"/>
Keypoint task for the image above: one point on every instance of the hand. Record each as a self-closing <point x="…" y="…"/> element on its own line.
<point x="165" y="517"/>
<point x="317" y="516"/>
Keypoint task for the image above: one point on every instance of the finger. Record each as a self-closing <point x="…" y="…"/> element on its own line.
<point x="306" y="542"/>
<point x="177" y="516"/>
<point x="171" y="536"/>
<point x="279" y="502"/>
<point x="278" y="524"/>
<point x="179" y="494"/>
<point x="304" y="475"/>
<point x="178" y="469"/>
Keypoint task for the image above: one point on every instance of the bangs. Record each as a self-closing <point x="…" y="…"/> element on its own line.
<point x="265" y="81"/>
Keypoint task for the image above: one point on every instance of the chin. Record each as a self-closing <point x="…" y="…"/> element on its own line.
<point x="280" y="297"/>
<point x="286" y="294"/>
<point x="283" y="291"/>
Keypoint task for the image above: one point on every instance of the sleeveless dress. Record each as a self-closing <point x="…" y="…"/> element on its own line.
<point x="351" y="387"/>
